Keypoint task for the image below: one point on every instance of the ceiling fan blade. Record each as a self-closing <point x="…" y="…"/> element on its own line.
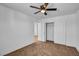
<point x="51" y="9"/>
<point x="45" y="13"/>
<point x="37" y="12"/>
<point x="35" y="7"/>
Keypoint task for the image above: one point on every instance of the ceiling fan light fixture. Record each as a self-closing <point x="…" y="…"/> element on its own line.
<point x="42" y="11"/>
<point x="43" y="8"/>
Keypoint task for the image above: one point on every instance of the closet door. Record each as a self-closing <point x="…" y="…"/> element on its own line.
<point x="71" y="31"/>
<point x="59" y="31"/>
<point x="50" y="31"/>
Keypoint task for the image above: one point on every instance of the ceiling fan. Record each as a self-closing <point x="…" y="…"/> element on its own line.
<point x="43" y="8"/>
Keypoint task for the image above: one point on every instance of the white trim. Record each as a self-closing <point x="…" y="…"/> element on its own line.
<point x="77" y="49"/>
<point x="17" y="48"/>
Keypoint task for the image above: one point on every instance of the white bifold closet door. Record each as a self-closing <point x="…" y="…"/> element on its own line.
<point x="50" y="31"/>
<point x="59" y="31"/>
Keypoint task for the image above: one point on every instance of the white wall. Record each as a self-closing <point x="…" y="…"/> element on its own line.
<point x="77" y="25"/>
<point x="35" y="28"/>
<point x="16" y="30"/>
<point x="65" y="29"/>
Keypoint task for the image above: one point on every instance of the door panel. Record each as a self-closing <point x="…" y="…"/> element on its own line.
<point x="50" y="31"/>
<point x="59" y="31"/>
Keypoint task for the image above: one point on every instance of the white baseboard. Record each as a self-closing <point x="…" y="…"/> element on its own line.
<point x="69" y="45"/>
<point x="42" y="40"/>
<point x="9" y="51"/>
<point x="77" y="49"/>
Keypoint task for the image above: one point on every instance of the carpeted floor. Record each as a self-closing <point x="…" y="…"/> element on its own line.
<point x="45" y="49"/>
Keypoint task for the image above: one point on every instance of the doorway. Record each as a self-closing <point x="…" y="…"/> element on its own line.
<point x="50" y="31"/>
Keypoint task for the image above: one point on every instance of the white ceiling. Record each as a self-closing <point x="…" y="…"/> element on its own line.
<point x="62" y="9"/>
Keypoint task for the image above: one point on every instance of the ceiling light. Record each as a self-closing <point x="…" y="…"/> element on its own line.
<point x="43" y="11"/>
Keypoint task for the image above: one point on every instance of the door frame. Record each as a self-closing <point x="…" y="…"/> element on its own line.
<point x="46" y="30"/>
